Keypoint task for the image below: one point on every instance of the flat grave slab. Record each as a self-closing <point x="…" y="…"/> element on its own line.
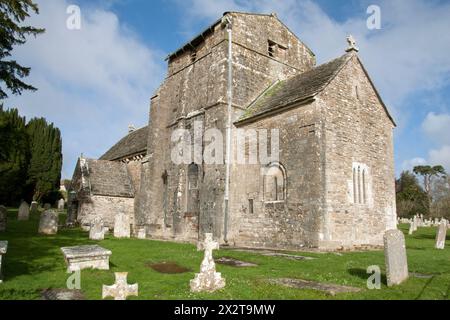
<point x="85" y="257"/>
<point x="329" y="288"/>
<point x="228" y="261"/>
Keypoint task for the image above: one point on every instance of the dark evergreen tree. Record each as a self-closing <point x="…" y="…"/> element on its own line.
<point x="13" y="33"/>
<point x="14" y="156"/>
<point x="44" y="170"/>
<point x="411" y="198"/>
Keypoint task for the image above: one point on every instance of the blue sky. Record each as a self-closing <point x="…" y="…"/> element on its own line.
<point x="96" y="81"/>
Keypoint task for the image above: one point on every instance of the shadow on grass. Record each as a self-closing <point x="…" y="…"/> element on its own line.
<point x="361" y="273"/>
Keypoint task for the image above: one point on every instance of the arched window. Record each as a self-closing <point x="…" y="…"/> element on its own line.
<point x="274" y="182"/>
<point x="193" y="195"/>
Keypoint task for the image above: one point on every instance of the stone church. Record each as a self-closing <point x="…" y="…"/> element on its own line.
<point x="331" y="186"/>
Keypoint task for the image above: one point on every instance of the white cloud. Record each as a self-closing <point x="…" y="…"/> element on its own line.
<point x="408" y="165"/>
<point x="441" y="156"/>
<point x="92" y="82"/>
<point x="437" y="127"/>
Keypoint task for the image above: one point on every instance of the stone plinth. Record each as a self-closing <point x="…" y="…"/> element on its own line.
<point x="3" y="249"/>
<point x="395" y="257"/>
<point x="85" y="257"/>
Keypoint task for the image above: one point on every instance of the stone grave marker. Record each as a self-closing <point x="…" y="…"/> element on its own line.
<point x="34" y="207"/>
<point x="48" y="224"/>
<point x="395" y="257"/>
<point x="122" y="226"/>
<point x="441" y="234"/>
<point x="47" y="206"/>
<point x="121" y="289"/>
<point x="3" y="249"/>
<point x="3" y="218"/>
<point x="61" y="204"/>
<point x="97" y="231"/>
<point x="24" y="212"/>
<point x="208" y="279"/>
<point x="84" y="257"/>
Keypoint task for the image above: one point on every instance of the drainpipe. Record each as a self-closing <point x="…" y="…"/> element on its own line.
<point x="229" y="110"/>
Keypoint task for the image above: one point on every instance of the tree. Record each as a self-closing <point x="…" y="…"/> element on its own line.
<point x="12" y="33"/>
<point x="411" y="198"/>
<point x="44" y="170"/>
<point x="14" y="156"/>
<point x="440" y="208"/>
<point x="428" y="173"/>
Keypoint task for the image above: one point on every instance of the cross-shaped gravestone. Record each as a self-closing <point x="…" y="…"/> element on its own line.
<point x="121" y="289"/>
<point x="208" y="279"/>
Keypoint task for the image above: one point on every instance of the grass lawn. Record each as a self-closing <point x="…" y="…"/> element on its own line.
<point x="34" y="262"/>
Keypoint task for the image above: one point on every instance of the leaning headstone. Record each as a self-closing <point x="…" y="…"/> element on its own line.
<point x="395" y="257"/>
<point x="3" y="218"/>
<point x="3" y="249"/>
<point x="48" y="224"/>
<point x="97" y="231"/>
<point x="122" y="226"/>
<point x="121" y="289"/>
<point x="34" y="207"/>
<point x="61" y="204"/>
<point x="24" y="212"/>
<point x="208" y="279"/>
<point x="85" y="257"/>
<point x="441" y="234"/>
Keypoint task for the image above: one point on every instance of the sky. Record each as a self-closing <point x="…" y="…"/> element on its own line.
<point x="95" y="81"/>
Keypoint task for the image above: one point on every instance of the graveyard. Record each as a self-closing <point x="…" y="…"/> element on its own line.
<point x="34" y="268"/>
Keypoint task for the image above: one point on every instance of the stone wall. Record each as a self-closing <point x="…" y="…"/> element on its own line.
<point x="105" y="207"/>
<point x="358" y="133"/>
<point x="197" y="90"/>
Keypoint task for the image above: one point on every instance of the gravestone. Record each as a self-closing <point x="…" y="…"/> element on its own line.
<point x="208" y="279"/>
<point x="97" y="231"/>
<point x="122" y="226"/>
<point x="24" y="212"/>
<point x="3" y="249"/>
<point x="395" y="257"/>
<point x="48" y="224"/>
<point x="121" y="289"/>
<point x="441" y="234"/>
<point x="3" y="218"/>
<point x="47" y="206"/>
<point x="34" y="207"/>
<point x="84" y="257"/>
<point x="411" y="228"/>
<point x="61" y="203"/>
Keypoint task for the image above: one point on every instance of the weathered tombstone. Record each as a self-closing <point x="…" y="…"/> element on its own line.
<point x="122" y="226"/>
<point x="3" y="249"/>
<point x="415" y="223"/>
<point x="47" y="206"/>
<point x="84" y="257"/>
<point x="48" y="224"/>
<point x="97" y="231"/>
<point x="61" y="203"/>
<point x="121" y="289"/>
<point x="208" y="279"/>
<point x="395" y="257"/>
<point x="24" y="212"/>
<point x="411" y="228"/>
<point x="441" y="234"/>
<point x="3" y="218"/>
<point x="34" y="207"/>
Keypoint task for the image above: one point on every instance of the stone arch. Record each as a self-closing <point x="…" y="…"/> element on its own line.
<point x="274" y="182"/>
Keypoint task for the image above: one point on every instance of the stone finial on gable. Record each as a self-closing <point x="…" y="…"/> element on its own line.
<point x="351" y="44"/>
<point x="131" y="128"/>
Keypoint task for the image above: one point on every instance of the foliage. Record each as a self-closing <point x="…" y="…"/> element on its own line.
<point x="13" y="33"/>
<point x="14" y="156"/>
<point x="411" y="198"/>
<point x="44" y="170"/>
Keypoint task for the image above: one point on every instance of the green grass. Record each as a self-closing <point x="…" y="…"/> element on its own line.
<point x="34" y="262"/>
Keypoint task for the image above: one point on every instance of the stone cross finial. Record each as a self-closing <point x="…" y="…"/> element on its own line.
<point x="351" y="44"/>
<point x="121" y="289"/>
<point x="208" y="245"/>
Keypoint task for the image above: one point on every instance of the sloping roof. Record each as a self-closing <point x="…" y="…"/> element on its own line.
<point x="302" y="87"/>
<point x="109" y="178"/>
<point x="133" y="143"/>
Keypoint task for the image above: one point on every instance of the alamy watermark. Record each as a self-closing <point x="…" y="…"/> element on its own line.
<point x="73" y="21"/>
<point x="374" y="20"/>
<point x="207" y="146"/>
<point x="74" y="280"/>
<point x="374" y="281"/>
